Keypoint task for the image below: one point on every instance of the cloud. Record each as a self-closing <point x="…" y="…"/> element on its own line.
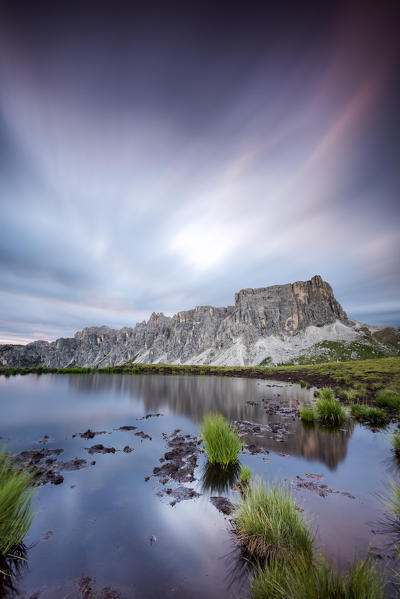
<point x="146" y="170"/>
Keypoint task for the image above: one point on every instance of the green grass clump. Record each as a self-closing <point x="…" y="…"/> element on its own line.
<point x="327" y="393"/>
<point x="269" y="524"/>
<point x="328" y="409"/>
<point x="222" y="444"/>
<point x="356" y="410"/>
<point x="307" y="414"/>
<point x="394" y="502"/>
<point x="245" y="474"/>
<point x="349" y="395"/>
<point x="388" y="397"/>
<point x="362" y="389"/>
<point x="16" y="494"/>
<point x="395" y="441"/>
<point x="299" y="578"/>
<point x="392" y="517"/>
<point x="365" y="413"/>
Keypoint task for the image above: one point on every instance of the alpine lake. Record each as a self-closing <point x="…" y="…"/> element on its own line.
<point x="129" y="508"/>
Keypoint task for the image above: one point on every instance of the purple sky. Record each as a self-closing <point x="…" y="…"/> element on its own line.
<point x="162" y="158"/>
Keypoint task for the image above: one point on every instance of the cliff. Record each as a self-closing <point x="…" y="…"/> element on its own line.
<point x="268" y="323"/>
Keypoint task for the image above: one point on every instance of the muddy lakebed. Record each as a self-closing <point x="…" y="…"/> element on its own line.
<point x="128" y="507"/>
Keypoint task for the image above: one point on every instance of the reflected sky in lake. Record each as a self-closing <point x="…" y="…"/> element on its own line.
<point x="103" y="516"/>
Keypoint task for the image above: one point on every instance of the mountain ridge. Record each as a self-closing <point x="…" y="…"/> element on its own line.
<point x="272" y="324"/>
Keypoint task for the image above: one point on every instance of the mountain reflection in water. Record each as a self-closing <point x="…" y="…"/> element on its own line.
<point x="106" y="513"/>
<point x="193" y="396"/>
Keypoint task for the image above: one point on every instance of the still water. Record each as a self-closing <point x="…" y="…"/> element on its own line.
<point x="107" y="532"/>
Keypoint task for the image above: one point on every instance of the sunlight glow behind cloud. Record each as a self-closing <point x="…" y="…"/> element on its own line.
<point x="164" y="175"/>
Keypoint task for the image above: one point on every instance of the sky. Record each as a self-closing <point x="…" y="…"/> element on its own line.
<point x="167" y="156"/>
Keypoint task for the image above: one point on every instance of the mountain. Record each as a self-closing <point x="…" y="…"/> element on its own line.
<point x="270" y="325"/>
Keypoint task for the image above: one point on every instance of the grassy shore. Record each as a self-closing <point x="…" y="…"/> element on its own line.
<point x="374" y="374"/>
<point x="275" y="537"/>
<point x="16" y="494"/>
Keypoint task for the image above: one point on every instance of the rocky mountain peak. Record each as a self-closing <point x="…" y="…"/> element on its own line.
<point x="205" y="334"/>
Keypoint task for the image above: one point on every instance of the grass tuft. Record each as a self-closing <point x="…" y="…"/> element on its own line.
<point x="388" y="397"/>
<point x="327" y="393"/>
<point x="269" y="524"/>
<point x="307" y="414"/>
<point x="367" y="414"/>
<point x="395" y="441"/>
<point x="222" y="444"/>
<point x="328" y="409"/>
<point x="394" y="502"/>
<point x="349" y="395"/>
<point x="16" y="494"/>
<point x="245" y="474"/>
<point x="299" y="578"/>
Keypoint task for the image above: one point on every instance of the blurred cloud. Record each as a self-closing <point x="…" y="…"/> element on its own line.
<point x="153" y="163"/>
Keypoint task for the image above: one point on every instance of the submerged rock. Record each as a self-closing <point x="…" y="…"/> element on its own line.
<point x="143" y="435"/>
<point x="126" y="428"/>
<point x="35" y="456"/>
<point x="55" y="478"/>
<point x="178" y="466"/>
<point x="181" y="494"/>
<point x="87" y="590"/>
<point x="223" y="504"/>
<point x="181" y="461"/>
<point x="322" y="489"/>
<point x="100" y="449"/>
<point x="147" y="416"/>
<point x="75" y="464"/>
<point x="245" y="427"/>
<point x="254" y="449"/>
<point x="91" y="434"/>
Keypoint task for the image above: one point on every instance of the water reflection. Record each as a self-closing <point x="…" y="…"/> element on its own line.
<point x="11" y="570"/>
<point x="193" y="396"/>
<point x="217" y="480"/>
<point x="318" y="443"/>
<point x="111" y="509"/>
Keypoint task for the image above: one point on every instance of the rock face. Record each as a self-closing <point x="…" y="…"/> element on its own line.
<point x="261" y="320"/>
